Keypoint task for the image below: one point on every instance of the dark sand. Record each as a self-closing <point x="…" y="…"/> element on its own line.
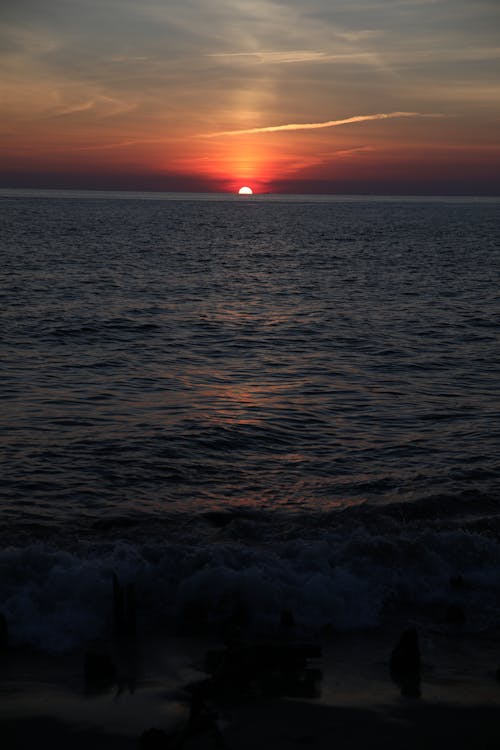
<point x="283" y="725"/>
<point x="44" y="702"/>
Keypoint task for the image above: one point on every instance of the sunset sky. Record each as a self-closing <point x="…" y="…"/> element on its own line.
<point x="398" y="96"/>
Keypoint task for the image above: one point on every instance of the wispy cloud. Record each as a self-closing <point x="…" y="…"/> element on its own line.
<point x="394" y="56"/>
<point x="121" y="144"/>
<point x="74" y="109"/>
<point x="271" y="56"/>
<point x="354" y="150"/>
<point x="294" y="56"/>
<point x="318" y="125"/>
<point x="100" y="105"/>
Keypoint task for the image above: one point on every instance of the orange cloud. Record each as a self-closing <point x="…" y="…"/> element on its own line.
<point x="319" y="125"/>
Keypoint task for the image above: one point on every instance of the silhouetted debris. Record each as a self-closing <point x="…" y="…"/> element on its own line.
<point x="405" y="656"/>
<point x="455" y="615"/>
<point x="118" y="606"/>
<point x="409" y="684"/>
<point x="124" y="608"/>
<point x="197" y="702"/>
<point x="287" y="620"/>
<point x="4" y="632"/>
<point x="237" y="622"/>
<point x="302" y="683"/>
<point x="274" y="668"/>
<point x="130" y="610"/>
<point x="99" y="670"/>
<point x="278" y="669"/>
<point x="194" y="617"/>
<point x="154" y="739"/>
<point x="205" y="732"/>
<point x="405" y="664"/>
<point x="201" y="727"/>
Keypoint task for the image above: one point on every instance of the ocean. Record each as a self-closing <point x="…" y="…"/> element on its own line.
<point x="269" y="402"/>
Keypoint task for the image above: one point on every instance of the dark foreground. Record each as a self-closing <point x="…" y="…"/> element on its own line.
<point x="197" y="693"/>
<point x="284" y="724"/>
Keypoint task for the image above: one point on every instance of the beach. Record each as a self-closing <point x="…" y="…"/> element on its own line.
<point x="45" y="698"/>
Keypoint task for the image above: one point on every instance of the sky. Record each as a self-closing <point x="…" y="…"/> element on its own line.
<point x="286" y="96"/>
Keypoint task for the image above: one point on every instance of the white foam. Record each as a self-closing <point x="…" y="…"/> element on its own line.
<point x="58" y="599"/>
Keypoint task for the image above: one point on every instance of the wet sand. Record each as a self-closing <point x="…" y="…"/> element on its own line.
<point x="44" y="701"/>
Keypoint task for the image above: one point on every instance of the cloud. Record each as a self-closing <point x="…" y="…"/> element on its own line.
<point x="298" y="56"/>
<point x="318" y="125"/>
<point x="100" y="105"/>
<point x="121" y="144"/>
<point x="270" y="56"/>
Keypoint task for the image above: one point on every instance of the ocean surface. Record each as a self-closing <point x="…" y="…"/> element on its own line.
<point x="282" y="402"/>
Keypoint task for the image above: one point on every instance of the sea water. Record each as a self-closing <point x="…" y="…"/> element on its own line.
<point x="290" y="402"/>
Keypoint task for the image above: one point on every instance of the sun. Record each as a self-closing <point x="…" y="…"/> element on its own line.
<point x="245" y="191"/>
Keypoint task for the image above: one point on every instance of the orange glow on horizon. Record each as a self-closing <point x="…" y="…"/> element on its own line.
<point x="322" y="160"/>
<point x="229" y="163"/>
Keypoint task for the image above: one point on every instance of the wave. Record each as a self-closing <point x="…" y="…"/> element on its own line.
<point x="345" y="578"/>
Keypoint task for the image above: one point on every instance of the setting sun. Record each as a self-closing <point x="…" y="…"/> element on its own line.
<point x="245" y="191"/>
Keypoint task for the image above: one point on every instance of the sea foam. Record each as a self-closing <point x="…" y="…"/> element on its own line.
<point x="60" y="599"/>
